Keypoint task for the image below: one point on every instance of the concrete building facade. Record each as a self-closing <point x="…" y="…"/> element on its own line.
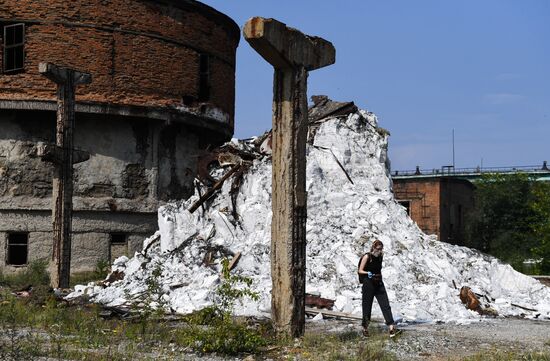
<point x="163" y="90"/>
<point x="437" y="204"/>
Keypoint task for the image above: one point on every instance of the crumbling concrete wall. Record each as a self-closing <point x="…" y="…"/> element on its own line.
<point x="91" y="237"/>
<point x="134" y="119"/>
<point x="134" y="166"/>
<point x="21" y="175"/>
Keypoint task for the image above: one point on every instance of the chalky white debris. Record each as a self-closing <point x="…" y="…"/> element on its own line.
<point x="418" y="270"/>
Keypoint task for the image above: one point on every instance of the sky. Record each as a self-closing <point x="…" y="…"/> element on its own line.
<point x="425" y="68"/>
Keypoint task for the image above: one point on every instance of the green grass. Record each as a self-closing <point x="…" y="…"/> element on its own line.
<point x="54" y="329"/>
<point x="41" y="325"/>
<point x="57" y="330"/>
<point x="101" y="271"/>
<point x="345" y="346"/>
<point x="35" y="274"/>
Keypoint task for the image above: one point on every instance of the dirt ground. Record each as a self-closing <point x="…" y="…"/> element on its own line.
<point x="434" y="342"/>
<point x="454" y="342"/>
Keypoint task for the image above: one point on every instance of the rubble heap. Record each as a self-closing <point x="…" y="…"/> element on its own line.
<point x="350" y="201"/>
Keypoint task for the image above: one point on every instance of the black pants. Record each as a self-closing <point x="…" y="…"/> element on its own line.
<point x="371" y="290"/>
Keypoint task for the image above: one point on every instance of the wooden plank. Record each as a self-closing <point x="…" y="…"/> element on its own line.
<point x="211" y="191"/>
<point x="315" y="311"/>
<point x="234" y="261"/>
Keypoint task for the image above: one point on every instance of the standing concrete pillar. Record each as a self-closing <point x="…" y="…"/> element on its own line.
<point x="63" y="157"/>
<point x="292" y="54"/>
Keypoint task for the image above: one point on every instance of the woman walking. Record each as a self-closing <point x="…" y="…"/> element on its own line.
<point x="370" y="275"/>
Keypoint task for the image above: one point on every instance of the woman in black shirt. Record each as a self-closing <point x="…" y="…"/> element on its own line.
<point x="370" y="271"/>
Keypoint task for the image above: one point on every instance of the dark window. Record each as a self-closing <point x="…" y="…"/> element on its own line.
<point x="18" y="246"/>
<point x="204" y="77"/>
<point x="118" y="238"/>
<point x="407" y="205"/>
<point x="14" y="47"/>
<point x="118" y="246"/>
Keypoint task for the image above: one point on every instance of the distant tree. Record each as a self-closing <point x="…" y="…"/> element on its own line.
<point x="541" y="225"/>
<point x="501" y="223"/>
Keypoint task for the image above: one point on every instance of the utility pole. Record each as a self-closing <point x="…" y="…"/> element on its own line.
<point x="292" y="54"/>
<point x="63" y="156"/>
<point x="454" y="150"/>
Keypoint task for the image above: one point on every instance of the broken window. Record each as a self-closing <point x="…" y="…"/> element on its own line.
<point x="407" y="205"/>
<point x="14" y="47"/>
<point x="204" y="77"/>
<point x="118" y="246"/>
<point x="118" y="238"/>
<point x="18" y="246"/>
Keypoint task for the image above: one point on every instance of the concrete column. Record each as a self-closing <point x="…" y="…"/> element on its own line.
<point x="292" y="54"/>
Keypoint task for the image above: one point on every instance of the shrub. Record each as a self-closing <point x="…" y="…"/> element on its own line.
<point x="100" y="272"/>
<point x="213" y="329"/>
<point x="17" y="339"/>
<point x="35" y="274"/>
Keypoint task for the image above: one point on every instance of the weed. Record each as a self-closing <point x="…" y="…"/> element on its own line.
<point x="35" y="274"/>
<point x="16" y="342"/>
<point x="230" y="290"/>
<point x="226" y="337"/>
<point x="347" y="345"/>
<point x="214" y="329"/>
<point x="100" y="272"/>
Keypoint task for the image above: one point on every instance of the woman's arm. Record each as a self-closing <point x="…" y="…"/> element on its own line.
<point x="364" y="261"/>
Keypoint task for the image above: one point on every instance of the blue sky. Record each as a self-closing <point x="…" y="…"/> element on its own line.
<point x="425" y="67"/>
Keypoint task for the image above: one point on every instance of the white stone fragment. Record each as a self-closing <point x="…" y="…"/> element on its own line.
<point x="418" y="270"/>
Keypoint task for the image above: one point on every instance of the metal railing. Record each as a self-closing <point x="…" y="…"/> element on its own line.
<point x="450" y="170"/>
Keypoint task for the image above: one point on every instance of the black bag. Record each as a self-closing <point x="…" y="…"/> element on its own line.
<point x="377" y="279"/>
<point x="362" y="278"/>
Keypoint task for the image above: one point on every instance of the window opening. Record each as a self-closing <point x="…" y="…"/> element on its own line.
<point x="14" y="47"/>
<point x="18" y="247"/>
<point x="118" y="238"/>
<point x="118" y="246"/>
<point x="407" y="205"/>
<point x="204" y="77"/>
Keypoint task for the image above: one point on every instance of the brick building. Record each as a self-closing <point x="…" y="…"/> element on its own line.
<point x="438" y="204"/>
<point x="163" y="90"/>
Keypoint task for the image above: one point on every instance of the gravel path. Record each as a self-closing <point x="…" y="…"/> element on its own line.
<point x="451" y="341"/>
<point x="454" y="342"/>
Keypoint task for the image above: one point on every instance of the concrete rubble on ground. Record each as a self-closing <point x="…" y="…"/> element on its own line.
<point x="350" y="201"/>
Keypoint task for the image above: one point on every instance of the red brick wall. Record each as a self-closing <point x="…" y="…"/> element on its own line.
<point x="139" y="52"/>
<point x="424" y="198"/>
<point x="438" y="205"/>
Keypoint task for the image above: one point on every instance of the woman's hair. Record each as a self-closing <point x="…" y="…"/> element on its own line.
<point x="375" y="244"/>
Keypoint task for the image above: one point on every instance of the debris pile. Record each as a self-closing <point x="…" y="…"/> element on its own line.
<point x="350" y="201"/>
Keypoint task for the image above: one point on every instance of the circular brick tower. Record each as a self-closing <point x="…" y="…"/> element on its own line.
<point x="163" y="90"/>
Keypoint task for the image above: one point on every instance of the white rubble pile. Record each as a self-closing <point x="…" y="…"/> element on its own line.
<point x="418" y="270"/>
